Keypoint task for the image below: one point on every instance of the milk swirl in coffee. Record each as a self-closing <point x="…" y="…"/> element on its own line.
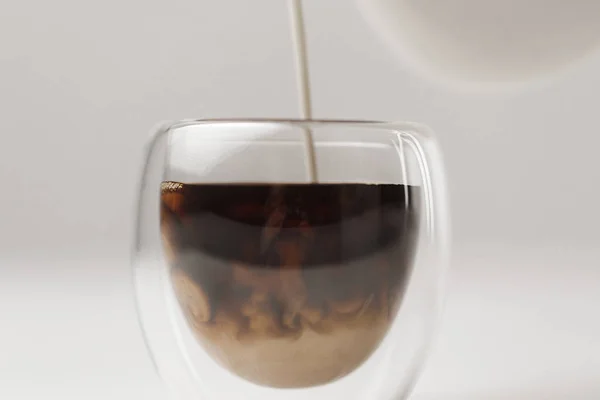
<point x="288" y="285"/>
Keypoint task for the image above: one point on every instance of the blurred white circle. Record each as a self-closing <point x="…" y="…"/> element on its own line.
<point x="486" y="41"/>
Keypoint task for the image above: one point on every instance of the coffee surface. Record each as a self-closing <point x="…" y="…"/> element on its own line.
<point x="289" y="285"/>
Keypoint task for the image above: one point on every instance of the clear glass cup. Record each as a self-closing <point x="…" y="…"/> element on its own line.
<point x="255" y="282"/>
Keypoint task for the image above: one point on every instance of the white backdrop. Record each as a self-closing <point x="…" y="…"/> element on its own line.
<point x="83" y="83"/>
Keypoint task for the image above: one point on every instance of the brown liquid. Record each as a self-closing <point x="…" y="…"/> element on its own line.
<point x="289" y="285"/>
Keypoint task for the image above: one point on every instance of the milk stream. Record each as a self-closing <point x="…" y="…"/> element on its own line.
<point x="298" y="29"/>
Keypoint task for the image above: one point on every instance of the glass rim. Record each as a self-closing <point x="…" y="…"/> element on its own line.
<point x="307" y="123"/>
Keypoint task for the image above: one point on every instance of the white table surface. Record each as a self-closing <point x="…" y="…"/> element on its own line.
<point x="519" y="324"/>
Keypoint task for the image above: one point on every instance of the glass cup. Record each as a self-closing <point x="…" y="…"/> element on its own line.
<point x="289" y="258"/>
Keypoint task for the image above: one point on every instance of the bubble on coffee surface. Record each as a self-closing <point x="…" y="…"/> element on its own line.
<point x="289" y="286"/>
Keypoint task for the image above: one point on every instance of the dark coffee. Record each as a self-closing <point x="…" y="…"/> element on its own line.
<point x="289" y="285"/>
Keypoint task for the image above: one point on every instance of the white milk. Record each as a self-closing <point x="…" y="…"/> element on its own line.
<point x="303" y="81"/>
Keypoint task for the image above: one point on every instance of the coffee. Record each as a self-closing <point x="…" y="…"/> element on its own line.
<point x="289" y="285"/>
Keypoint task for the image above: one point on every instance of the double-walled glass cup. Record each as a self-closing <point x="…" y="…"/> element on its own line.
<point x="290" y="259"/>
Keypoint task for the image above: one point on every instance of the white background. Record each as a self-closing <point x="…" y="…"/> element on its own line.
<point x="82" y="84"/>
